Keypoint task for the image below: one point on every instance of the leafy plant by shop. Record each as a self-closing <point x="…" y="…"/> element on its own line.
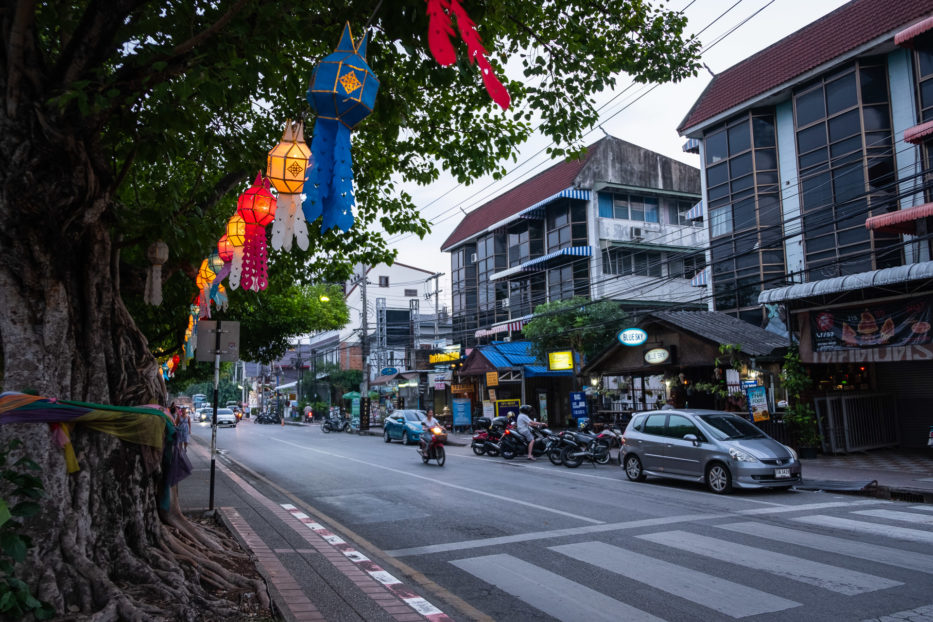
<point x="800" y="416"/>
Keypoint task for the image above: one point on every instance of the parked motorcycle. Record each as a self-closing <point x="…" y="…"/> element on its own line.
<point x="335" y="424"/>
<point x="266" y="417"/>
<point x="432" y="445"/>
<point x="580" y="446"/>
<point x="514" y="444"/>
<point x="486" y="440"/>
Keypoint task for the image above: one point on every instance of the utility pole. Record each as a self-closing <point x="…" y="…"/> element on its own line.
<point x="437" y="299"/>
<point x="364" y="334"/>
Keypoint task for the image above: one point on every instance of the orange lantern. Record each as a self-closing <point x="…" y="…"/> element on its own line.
<point x="257" y="208"/>
<point x="236" y="236"/>
<point x="286" y="168"/>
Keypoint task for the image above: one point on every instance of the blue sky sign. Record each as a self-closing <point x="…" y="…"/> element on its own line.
<point x="632" y="337"/>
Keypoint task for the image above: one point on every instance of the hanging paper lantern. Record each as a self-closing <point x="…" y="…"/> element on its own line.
<point x="286" y="169"/>
<point x="343" y="92"/>
<point x="157" y="254"/>
<point x="204" y="279"/>
<point x="439" y="33"/>
<point x="257" y="208"/>
<point x="225" y="246"/>
<point x="236" y="235"/>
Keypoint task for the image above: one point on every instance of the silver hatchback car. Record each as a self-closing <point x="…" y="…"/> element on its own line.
<point x="718" y="448"/>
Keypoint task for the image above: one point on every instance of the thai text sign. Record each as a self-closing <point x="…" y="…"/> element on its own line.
<point x="559" y="361"/>
<point x="461" y="411"/>
<point x="492" y="379"/>
<point x="896" y="323"/>
<point x="578" y="404"/>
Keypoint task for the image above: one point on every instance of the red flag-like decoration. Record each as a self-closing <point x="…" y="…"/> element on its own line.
<point x="439" y="33"/>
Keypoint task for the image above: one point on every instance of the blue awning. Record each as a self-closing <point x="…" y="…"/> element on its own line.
<point x="701" y="278"/>
<point x="535" y="211"/>
<point x="540" y="370"/>
<point x="697" y="211"/>
<point x="540" y="263"/>
<point x="692" y="145"/>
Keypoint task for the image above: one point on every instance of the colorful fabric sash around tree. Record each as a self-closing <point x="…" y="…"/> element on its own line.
<point x="342" y="92"/>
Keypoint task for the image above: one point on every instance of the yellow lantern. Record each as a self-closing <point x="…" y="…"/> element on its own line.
<point x="236" y="230"/>
<point x="287" y="167"/>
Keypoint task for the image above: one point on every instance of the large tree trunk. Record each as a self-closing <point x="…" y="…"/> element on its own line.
<point x="101" y="549"/>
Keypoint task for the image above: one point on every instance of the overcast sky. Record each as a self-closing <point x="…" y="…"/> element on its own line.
<point x="646" y="115"/>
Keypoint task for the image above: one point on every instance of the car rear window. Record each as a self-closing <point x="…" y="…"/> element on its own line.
<point x="729" y="427"/>
<point x="224" y="411"/>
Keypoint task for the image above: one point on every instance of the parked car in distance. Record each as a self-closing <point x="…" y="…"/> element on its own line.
<point x="226" y="416"/>
<point x="404" y="425"/>
<point x="719" y="448"/>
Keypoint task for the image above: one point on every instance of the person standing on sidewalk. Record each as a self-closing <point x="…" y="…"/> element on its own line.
<point x="183" y="427"/>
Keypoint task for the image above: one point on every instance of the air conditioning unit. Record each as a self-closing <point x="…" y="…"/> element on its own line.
<point x="505" y="303"/>
<point x="636" y="234"/>
<point x="472" y="257"/>
<point x="507" y="338"/>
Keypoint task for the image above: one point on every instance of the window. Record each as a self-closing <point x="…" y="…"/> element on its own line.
<point x="686" y="267"/>
<point x="677" y="214"/>
<point x="655" y="424"/>
<point x="411" y="293"/>
<point x="566" y="225"/>
<point x="383" y="281"/>
<point x="678" y="426"/>
<point x="625" y="262"/>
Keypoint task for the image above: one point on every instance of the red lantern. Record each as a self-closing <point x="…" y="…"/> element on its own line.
<point x="225" y="248"/>
<point x="257" y="208"/>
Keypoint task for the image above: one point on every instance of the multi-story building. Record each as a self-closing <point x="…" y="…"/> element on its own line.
<point x="816" y="161"/>
<point x="400" y="319"/>
<point x="611" y="225"/>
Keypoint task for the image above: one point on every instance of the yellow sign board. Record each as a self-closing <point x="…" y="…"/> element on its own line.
<point x="461" y="388"/>
<point x="559" y="361"/>
<point x="492" y="379"/>
<point x="443" y="357"/>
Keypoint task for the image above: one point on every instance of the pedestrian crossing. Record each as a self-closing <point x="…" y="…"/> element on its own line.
<point x="724" y="569"/>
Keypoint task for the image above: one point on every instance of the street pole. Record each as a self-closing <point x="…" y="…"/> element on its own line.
<point x="210" y="504"/>
<point x="364" y="335"/>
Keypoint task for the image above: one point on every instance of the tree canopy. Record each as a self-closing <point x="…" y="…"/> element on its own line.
<point x="575" y="324"/>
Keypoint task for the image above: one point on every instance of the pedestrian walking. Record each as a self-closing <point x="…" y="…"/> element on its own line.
<point x="183" y="428"/>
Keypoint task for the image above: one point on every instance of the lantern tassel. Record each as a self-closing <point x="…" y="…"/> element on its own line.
<point x="283" y="230"/>
<point x="216" y="283"/>
<point x="301" y="229"/>
<point x="317" y="188"/>
<point x="236" y="267"/>
<point x="439" y="33"/>
<point x="338" y="207"/>
<point x="255" y="276"/>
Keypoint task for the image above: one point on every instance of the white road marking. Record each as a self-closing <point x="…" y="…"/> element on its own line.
<point x="833" y="578"/>
<point x="551" y="593"/>
<point x="855" y="526"/>
<point x="841" y="546"/>
<point x="732" y="599"/>
<point x="904" y="517"/>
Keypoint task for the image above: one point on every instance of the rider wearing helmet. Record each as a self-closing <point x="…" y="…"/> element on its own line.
<point x="524" y="425"/>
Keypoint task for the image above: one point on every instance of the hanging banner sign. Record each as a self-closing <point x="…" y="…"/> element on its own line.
<point x="632" y="337"/>
<point x="388" y="371"/>
<point x="757" y="398"/>
<point x="897" y="323"/>
<point x="560" y="361"/>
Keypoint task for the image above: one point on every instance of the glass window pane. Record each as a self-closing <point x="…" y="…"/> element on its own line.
<point x="718" y="192"/>
<point x="881" y="173"/>
<point x="874" y="85"/>
<point x="769" y="210"/>
<point x="721" y="220"/>
<point x="578" y="232"/>
<point x="743" y="183"/>
<point x="816" y="191"/>
<point x="716" y="175"/>
<point x="813" y="158"/>
<point x="926" y="93"/>
<point x="651" y="209"/>
<point x="811" y="138"/>
<point x="765" y="159"/>
<point x="846" y="146"/>
<point x="739" y="139"/>
<point x="876" y="118"/>
<point x="844" y="125"/>
<point x="841" y="94"/>
<point x="810" y="107"/>
<point x="848" y="182"/>
<point x="605" y="205"/>
<point x="716" y="147"/>
<point x="578" y="212"/>
<point x="763" y="127"/>
<point x="741" y="165"/>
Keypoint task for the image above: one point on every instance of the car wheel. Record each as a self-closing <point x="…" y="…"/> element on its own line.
<point x="440" y="455"/>
<point x="386" y="437"/>
<point x="555" y="456"/>
<point x="478" y="450"/>
<point x="569" y="459"/>
<point x="633" y="469"/>
<point x="718" y="478"/>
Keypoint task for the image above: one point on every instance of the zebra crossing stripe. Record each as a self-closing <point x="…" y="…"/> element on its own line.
<point x="925" y="508"/>
<point x="874" y="529"/>
<point x="841" y="546"/>
<point x="905" y="517"/>
<point x="551" y="593"/>
<point x="833" y="578"/>
<point x="392" y="584"/>
<point x="732" y="599"/>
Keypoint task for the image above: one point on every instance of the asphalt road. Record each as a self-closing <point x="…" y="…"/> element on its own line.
<point x="519" y="540"/>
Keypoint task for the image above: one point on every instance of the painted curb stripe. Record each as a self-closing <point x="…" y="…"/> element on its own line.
<point x="419" y="604"/>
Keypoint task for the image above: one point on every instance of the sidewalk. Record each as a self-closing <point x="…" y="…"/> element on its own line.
<point x="312" y="573"/>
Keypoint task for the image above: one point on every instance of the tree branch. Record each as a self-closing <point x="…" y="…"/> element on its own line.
<point x="23" y="21"/>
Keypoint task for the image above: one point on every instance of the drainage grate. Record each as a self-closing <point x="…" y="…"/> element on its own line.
<point x="910" y="497"/>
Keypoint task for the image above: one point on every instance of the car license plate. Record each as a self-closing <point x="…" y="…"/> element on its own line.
<point x="779" y="473"/>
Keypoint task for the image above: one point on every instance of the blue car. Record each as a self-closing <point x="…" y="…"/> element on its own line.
<point x="404" y="425"/>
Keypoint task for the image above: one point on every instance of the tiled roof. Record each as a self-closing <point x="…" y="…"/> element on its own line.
<point x="723" y="329"/>
<point x="831" y="36"/>
<point x="541" y="186"/>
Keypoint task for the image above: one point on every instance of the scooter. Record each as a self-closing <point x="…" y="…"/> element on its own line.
<point x="432" y="447"/>
<point x="580" y="446"/>
<point x="514" y="444"/>
<point x="335" y="424"/>
<point x="486" y="440"/>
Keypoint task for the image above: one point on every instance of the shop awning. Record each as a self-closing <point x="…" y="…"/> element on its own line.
<point x="697" y="211"/>
<point x="918" y="133"/>
<point x="505" y="327"/>
<point x="536" y="211"/>
<point x="906" y="36"/>
<point x="692" y="145"/>
<point x="901" y="221"/>
<point x="540" y="263"/>
<point x="701" y="278"/>
<point x="852" y="282"/>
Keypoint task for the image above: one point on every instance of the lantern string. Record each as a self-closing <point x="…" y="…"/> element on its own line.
<point x="373" y="16"/>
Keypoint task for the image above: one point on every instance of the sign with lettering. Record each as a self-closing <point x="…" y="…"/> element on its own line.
<point x="461" y="388"/>
<point x="656" y="356"/>
<point x="443" y="357"/>
<point x="757" y="398"/>
<point x="895" y="323"/>
<point x="492" y="379"/>
<point x="578" y="404"/>
<point x="560" y="361"/>
<point x="461" y="411"/>
<point x="632" y="337"/>
<point x="388" y="371"/>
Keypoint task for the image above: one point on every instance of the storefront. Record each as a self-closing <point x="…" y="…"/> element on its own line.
<point x="697" y="359"/>
<point x="868" y="345"/>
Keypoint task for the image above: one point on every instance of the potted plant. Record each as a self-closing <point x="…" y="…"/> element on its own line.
<point x="800" y="416"/>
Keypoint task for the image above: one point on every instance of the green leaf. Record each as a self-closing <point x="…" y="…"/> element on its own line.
<point x="13" y="546"/>
<point x="26" y="509"/>
<point x="4" y="512"/>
